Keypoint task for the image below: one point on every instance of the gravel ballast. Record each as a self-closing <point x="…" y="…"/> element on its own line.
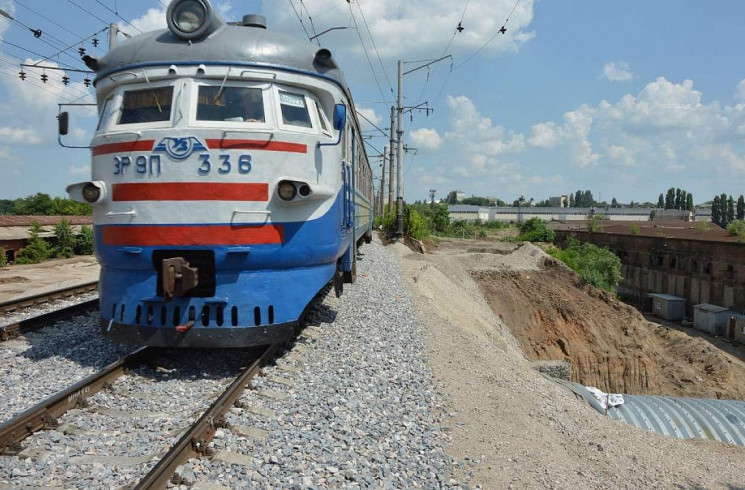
<point x="350" y="404"/>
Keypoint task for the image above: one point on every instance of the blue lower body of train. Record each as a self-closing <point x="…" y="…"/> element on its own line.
<point x="248" y="294"/>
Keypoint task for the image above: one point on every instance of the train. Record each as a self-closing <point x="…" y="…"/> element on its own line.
<point x="229" y="181"/>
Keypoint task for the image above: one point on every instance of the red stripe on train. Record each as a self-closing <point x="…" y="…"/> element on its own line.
<point x="126" y="146"/>
<point x="175" y="235"/>
<point x="224" y="144"/>
<point x="191" y="191"/>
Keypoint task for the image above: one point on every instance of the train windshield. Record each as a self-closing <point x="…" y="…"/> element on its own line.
<point x="146" y="105"/>
<point x="294" y="109"/>
<point x="238" y="104"/>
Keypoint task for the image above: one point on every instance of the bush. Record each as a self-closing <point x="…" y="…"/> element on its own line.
<point x="736" y="228"/>
<point x="415" y="226"/>
<point x="597" y="266"/>
<point x="3" y="262"/>
<point x="535" y="230"/>
<point x="594" y="224"/>
<point x="634" y="229"/>
<point x="84" y="241"/>
<point x="65" y="240"/>
<point x="702" y="226"/>
<point x="37" y="250"/>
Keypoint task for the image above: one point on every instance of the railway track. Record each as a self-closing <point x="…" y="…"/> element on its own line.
<point x="193" y="443"/>
<point x="16" y="328"/>
<point x="11" y="306"/>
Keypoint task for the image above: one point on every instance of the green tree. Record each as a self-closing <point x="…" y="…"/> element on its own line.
<point x="441" y="219"/>
<point x="716" y="211"/>
<point x="661" y="202"/>
<point x="65" y="239"/>
<point x="670" y="198"/>
<point x="594" y="224"/>
<point x="535" y="230"/>
<point x="614" y="203"/>
<point x="37" y="249"/>
<point x="6" y="206"/>
<point x="677" y="199"/>
<point x="84" y="241"/>
<point x="689" y="201"/>
<point x="415" y="226"/>
<point x="740" y="208"/>
<point x="730" y="210"/>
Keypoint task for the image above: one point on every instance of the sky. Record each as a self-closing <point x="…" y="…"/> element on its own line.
<point x="625" y="99"/>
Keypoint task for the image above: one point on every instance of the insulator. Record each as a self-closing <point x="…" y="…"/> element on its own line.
<point x="37" y="32"/>
<point x="66" y="80"/>
<point x="22" y="74"/>
<point x="44" y="77"/>
<point x="81" y="50"/>
<point x="94" y="41"/>
<point x="87" y="82"/>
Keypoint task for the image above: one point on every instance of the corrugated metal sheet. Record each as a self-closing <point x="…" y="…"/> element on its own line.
<point x="684" y="418"/>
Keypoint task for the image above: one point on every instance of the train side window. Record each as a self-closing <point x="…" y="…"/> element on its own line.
<point x="146" y="105"/>
<point x="294" y="109"/>
<point x="104" y="115"/>
<point x="234" y="104"/>
<point x="324" y="122"/>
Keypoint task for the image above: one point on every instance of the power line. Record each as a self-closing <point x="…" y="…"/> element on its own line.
<point x="458" y="29"/>
<point x="367" y="55"/>
<point x="502" y="30"/>
<point x="115" y="12"/>
<point x="312" y="27"/>
<point x="297" y="14"/>
<point x="64" y="50"/>
<point x="369" y="33"/>
<point x="372" y="123"/>
<point x="32" y="52"/>
<point x="46" y="18"/>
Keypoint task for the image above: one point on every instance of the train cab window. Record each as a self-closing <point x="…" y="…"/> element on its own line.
<point x="234" y="104"/>
<point x="104" y="115"/>
<point x="294" y="110"/>
<point x="146" y="105"/>
<point x="325" y="126"/>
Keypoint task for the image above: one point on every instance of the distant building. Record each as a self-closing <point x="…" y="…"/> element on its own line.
<point x="559" y="201"/>
<point x="668" y="306"/>
<point x="710" y="318"/>
<point x="467" y="212"/>
<point x="459" y="196"/>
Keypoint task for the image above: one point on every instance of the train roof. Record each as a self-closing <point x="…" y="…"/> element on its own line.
<point x="230" y="44"/>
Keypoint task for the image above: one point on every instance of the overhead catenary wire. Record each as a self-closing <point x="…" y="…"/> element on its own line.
<point x="458" y="28"/>
<point x="367" y="55"/>
<point x="21" y="4"/>
<point x="369" y="33"/>
<point x="299" y="18"/>
<point x="310" y="19"/>
<point x="502" y="30"/>
<point x="115" y="12"/>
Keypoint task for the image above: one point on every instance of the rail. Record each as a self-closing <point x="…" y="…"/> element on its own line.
<point x="36" y="299"/>
<point x="44" y="414"/>
<point x="195" y="441"/>
<point x="14" y="329"/>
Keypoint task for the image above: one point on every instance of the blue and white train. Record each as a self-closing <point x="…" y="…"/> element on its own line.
<point x="229" y="181"/>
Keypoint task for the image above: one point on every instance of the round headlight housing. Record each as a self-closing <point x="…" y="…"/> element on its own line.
<point x="286" y="190"/>
<point x="91" y="192"/>
<point x="191" y="19"/>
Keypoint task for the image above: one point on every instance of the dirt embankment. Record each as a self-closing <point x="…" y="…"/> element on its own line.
<point x="609" y="344"/>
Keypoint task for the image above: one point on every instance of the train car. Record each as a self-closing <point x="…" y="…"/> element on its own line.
<point x="229" y="183"/>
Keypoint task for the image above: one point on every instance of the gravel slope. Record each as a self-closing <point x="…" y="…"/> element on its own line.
<point x="521" y="429"/>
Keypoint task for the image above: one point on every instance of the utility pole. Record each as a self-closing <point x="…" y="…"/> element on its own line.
<point x="432" y="195"/>
<point x="400" y="145"/>
<point x="113" y="29"/>
<point x="390" y="161"/>
<point x="382" y="184"/>
<point x="399" y="155"/>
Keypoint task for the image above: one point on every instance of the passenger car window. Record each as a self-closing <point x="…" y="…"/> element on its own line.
<point x="294" y="110"/>
<point x="238" y="104"/>
<point x="146" y="105"/>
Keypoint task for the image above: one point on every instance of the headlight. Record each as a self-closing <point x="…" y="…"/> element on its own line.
<point x="91" y="192"/>
<point x="189" y="16"/>
<point x="192" y="19"/>
<point x="286" y="190"/>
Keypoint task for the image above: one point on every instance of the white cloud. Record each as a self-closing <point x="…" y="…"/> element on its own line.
<point x="426" y="139"/>
<point x="415" y="27"/>
<point x="618" y="71"/>
<point x="154" y="19"/>
<point x="544" y="135"/>
<point x="740" y="91"/>
<point x="27" y="136"/>
<point x="372" y="117"/>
